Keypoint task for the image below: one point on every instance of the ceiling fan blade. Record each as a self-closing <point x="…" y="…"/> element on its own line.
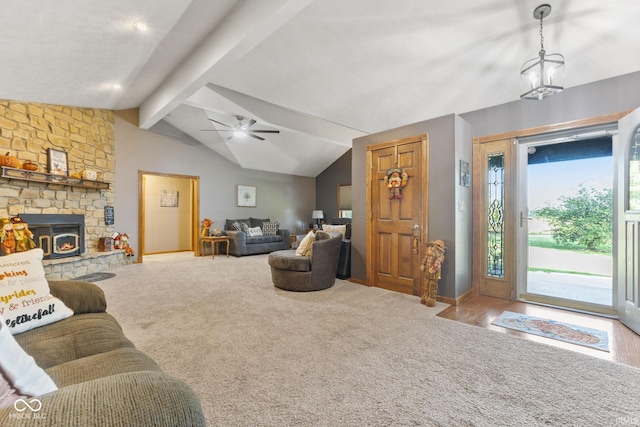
<point x="256" y="136"/>
<point x="220" y="123"/>
<point x="250" y="123"/>
<point x="265" y="131"/>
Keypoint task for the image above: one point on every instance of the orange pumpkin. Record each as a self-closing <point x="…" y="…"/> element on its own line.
<point x="9" y="161"/>
<point x="30" y="166"/>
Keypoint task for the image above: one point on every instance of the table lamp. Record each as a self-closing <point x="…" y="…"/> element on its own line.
<point x="317" y="215"/>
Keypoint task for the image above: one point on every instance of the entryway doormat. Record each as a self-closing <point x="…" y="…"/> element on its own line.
<point x="566" y="332"/>
<point x="95" y="277"/>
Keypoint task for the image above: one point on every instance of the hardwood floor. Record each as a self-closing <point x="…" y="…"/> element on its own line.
<point x="624" y="344"/>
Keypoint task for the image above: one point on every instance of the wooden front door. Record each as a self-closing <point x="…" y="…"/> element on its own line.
<point x="396" y="226"/>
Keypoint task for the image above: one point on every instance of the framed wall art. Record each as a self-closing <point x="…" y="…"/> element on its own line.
<point x="169" y="198"/>
<point x="465" y="174"/>
<point x="58" y="162"/>
<point x="247" y="196"/>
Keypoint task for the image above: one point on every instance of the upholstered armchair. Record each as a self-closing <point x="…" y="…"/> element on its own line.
<point x="307" y="273"/>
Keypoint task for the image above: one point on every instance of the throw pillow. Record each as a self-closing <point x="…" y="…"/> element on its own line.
<point x="254" y="231"/>
<point x="25" y="299"/>
<point x="304" y="248"/>
<point x="228" y="223"/>
<point x="270" y="228"/>
<point x="240" y="226"/>
<point x="20" y="376"/>
<point x="257" y="222"/>
<point x="342" y="229"/>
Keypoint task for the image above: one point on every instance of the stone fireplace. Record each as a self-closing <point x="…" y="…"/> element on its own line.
<point x="86" y="135"/>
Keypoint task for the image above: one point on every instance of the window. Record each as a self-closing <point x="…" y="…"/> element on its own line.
<point x="634" y="171"/>
<point x="495" y="215"/>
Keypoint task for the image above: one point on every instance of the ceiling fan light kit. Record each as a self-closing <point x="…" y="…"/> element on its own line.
<point x="241" y="129"/>
<point x="543" y="75"/>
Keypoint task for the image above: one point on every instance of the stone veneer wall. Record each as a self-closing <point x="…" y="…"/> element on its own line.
<point x="27" y="130"/>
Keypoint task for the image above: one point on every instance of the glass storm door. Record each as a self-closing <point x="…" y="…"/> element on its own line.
<point x="565" y="221"/>
<point x="628" y="173"/>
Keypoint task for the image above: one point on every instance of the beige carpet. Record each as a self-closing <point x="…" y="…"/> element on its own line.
<point x="350" y="355"/>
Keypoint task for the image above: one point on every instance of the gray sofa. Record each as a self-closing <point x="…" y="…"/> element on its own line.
<point x="102" y="379"/>
<point x="240" y="244"/>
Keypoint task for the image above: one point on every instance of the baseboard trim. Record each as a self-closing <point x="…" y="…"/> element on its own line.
<point x="457" y="301"/>
<point x="358" y="281"/>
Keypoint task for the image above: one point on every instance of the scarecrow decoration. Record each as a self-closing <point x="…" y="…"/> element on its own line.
<point x="395" y="180"/>
<point x="23" y="236"/>
<point x="432" y="266"/>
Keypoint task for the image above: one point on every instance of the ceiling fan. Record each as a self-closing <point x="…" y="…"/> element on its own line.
<point x="241" y="129"/>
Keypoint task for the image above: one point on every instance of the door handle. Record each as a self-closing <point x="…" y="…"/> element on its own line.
<point x="523" y="217"/>
<point x="416" y="237"/>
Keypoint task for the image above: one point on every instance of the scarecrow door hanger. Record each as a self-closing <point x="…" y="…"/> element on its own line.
<point x="395" y="180"/>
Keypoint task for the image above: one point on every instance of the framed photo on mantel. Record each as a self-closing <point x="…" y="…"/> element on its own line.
<point x="58" y="162"/>
<point x="247" y="196"/>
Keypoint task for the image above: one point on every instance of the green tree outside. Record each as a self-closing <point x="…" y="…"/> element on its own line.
<point x="585" y="219"/>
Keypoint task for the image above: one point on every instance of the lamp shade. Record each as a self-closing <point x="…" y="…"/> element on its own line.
<point x="317" y="215"/>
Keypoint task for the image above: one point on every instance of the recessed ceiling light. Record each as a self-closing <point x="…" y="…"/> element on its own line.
<point x="116" y="86"/>
<point x="140" y="26"/>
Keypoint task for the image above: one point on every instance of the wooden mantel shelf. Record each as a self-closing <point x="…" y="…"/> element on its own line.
<point x="47" y="178"/>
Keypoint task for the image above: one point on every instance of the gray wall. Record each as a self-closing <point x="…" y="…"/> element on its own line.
<point x="451" y="140"/>
<point x="327" y="185"/>
<point x="285" y="198"/>
<point x="596" y="99"/>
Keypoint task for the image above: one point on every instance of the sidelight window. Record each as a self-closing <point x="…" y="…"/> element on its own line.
<point x="495" y="215"/>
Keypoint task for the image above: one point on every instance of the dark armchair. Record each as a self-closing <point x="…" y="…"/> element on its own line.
<point x="307" y="273"/>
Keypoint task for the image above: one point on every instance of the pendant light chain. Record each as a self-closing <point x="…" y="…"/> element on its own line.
<point x="541" y="35"/>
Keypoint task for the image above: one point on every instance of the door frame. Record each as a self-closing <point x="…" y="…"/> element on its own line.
<point x="522" y="232"/>
<point x="511" y="230"/>
<point x="195" y="209"/>
<point x="424" y="139"/>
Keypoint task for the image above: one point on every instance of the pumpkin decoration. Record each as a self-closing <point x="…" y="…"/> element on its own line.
<point x="30" y="166"/>
<point x="89" y="174"/>
<point x="9" y="161"/>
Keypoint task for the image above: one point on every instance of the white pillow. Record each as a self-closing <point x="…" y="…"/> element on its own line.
<point x="25" y="299"/>
<point x="342" y="229"/>
<point x="20" y="376"/>
<point x="304" y="248"/>
<point x="255" y="231"/>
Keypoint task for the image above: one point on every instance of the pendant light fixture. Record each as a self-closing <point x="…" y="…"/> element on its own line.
<point x="544" y="75"/>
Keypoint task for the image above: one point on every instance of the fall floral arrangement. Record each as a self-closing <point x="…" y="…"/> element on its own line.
<point x="206" y="224"/>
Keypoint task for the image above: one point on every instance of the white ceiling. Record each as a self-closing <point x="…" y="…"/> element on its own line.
<point x="322" y="72"/>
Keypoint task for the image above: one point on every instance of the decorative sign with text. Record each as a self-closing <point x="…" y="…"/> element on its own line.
<point x="25" y="299"/>
<point x="109" y="215"/>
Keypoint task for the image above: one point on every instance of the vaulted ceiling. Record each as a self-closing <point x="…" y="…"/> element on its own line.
<point x="321" y="72"/>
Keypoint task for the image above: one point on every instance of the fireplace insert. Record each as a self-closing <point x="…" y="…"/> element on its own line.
<point x="58" y="235"/>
